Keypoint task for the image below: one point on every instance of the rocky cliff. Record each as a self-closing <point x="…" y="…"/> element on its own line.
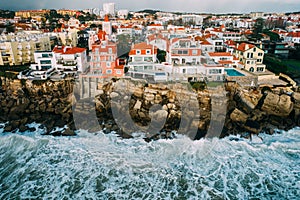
<point x="125" y="106"/>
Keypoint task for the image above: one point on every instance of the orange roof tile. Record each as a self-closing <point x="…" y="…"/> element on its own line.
<point x="68" y="50"/>
<point x="225" y="62"/>
<point x="243" y="46"/>
<point x="217" y="54"/>
<point x="143" y="45"/>
<point x="205" y="42"/>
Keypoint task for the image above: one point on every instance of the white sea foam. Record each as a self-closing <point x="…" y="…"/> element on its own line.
<point x="107" y="167"/>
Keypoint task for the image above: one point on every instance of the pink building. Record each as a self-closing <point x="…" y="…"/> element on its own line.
<point x="104" y="61"/>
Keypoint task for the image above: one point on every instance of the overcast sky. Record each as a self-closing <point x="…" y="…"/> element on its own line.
<point x="216" y="6"/>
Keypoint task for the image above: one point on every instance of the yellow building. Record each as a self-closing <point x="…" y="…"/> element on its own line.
<point x="31" y="13"/>
<point x="19" y="49"/>
<point x="67" y="38"/>
<point x="250" y="57"/>
<point x="67" y="12"/>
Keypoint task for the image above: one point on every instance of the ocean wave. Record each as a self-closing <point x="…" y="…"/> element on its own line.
<point x="107" y="167"/>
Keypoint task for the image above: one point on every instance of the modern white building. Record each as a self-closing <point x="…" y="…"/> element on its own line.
<point x="196" y="19"/>
<point x="122" y="14"/>
<point x="109" y="9"/>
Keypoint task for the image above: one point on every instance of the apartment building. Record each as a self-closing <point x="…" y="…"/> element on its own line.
<point x="184" y="51"/>
<point x="31" y="13"/>
<point x="70" y="59"/>
<point x="159" y="41"/>
<point x="19" y="49"/>
<point x="250" y="57"/>
<point x="223" y="58"/>
<point x="143" y="52"/>
<point x="104" y="62"/>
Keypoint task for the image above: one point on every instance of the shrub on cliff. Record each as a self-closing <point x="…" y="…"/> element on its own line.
<point x="198" y="86"/>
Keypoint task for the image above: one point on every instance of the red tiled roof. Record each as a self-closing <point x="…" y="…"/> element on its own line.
<point x="293" y="34"/>
<point x="242" y="47"/>
<point x="143" y="45"/>
<point x="217" y="54"/>
<point x="155" y="25"/>
<point x="225" y="62"/>
<point x="205" y="42"/>
<point x="230" y="43"/>
<point x="68" y="50"/>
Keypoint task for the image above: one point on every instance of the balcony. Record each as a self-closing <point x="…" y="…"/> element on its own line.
<point x="3" y="54"/>
<point x="69" y="63"/>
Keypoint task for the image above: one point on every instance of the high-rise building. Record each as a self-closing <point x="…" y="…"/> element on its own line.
<point x="109" y="9"/>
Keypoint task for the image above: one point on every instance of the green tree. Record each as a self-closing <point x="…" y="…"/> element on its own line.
<point x="258" y="28"/>
<point x="274" y="37"/>
<point x="161" y="55"/>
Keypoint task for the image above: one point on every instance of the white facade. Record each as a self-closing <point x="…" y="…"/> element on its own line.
<point x="107" y="27"/>
<point x="73" y="22"/>
<point x="43" y="61"/>
<point x="198" y="20"/>
<point x="109" y="8"/>
<point x="123" y="14"/>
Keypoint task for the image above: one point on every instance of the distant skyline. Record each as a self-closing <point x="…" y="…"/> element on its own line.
<point x="203" y="6"/>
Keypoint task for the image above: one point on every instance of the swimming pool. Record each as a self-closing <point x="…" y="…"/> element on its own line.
<point x="233" y="72"/>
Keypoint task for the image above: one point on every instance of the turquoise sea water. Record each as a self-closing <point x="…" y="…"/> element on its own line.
<point x="102" y="166"/>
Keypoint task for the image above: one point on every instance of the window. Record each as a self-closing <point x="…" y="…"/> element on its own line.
<point x="118" y="72"/>
<point x="148" y="51"/>
<point x="248" y="62"/>
<point x="148" y="59"/>
<point x="138" y="51"/>
<point x="182" y="52"/>
<point x="45" y="62"/>
<point x="215" y="71"/>
<point x="138" y="59"/>
<point x="254" y="49"/>
<point x="260" y="69"/>
<point x="260" y="54"/>
<point x="109" y="71"/>
<point x="249" y="55"/>
<point x="174" y="52"/>
<point x="148" y="68"/>
<point x="46" y="55"/>
<point x="258" y="60"/>
<point x="110" y="50"/>
<point x="46" y="67"/>
<point x="108" y="64"/>
<point x="195" y="52"/>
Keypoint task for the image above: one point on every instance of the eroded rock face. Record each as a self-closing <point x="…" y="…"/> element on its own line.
<point x="51" y="103"/>
<point x="238" y="116"/>
<point x="279" y="105"/>
<point x="43" y="102"/>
